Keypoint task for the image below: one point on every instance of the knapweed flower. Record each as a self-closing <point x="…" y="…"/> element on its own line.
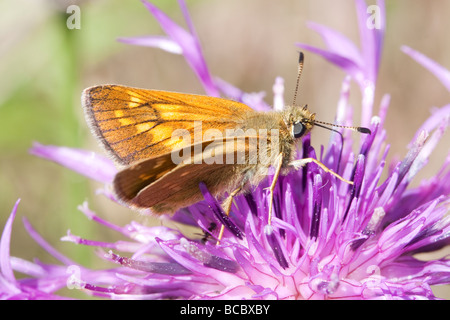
<point x="327" y="240"/>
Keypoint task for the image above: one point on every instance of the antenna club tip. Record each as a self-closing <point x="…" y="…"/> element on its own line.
<point x="364" y="130"/>
<point x="301" y="56"/>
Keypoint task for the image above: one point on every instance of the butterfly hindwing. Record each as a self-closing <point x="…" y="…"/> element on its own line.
<point x="163" y="186"/>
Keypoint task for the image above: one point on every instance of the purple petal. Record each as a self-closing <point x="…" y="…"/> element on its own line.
<point x="371" y="38"/>
<point x="417" y="226"/>
<point x="439" y="115"/>
<point x="222" y="264"/>
<point x="78" y="240"/>
<point x="87" y="163"/>
<point x="91" y="215"/>
<point x="344" y="63"/>
<point x="254" y="100"/>
<point x="275" y="245"/>
<point x="408" y="267"/>
<point x="362" y="66"/>
<point x="427" y="149"/>
<point x="278" y="94"/>
<point x="188" y="43"/>
<point x="251" y="203"/>
<point x="357" y="178"/>
<point x="44" y="244"/>
<point x="195" y="259"/>
<point x="218" y="211"/>
<point x="187" y="17"/>
<point x="343" y="101"/>
<point x="435" y="226"/>
<point x="256" y="247"/>
<point x="317" y="207"/>
<point x="403" y="167"/>
<point x="5" y="263"/>
<point x="161" y="42"/>
<point x="152" y="267"/>
<point x="337" y="43"/>
<point x="439" y="71"/>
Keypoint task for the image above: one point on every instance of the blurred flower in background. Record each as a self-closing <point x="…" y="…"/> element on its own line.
<point x="328" y="240"/>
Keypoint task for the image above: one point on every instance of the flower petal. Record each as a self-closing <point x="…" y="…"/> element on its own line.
<point x="189" y="44"/>
<point x="87" y="163"/>
<point x="5" y="241"/>
<point x="337" y="43"/>
<point x="439" y="71"/>
<point x="255" y="100"/>
<point x="161" y="42"/>
<point x="218" y="211"/>
<point x="349" y="66"/>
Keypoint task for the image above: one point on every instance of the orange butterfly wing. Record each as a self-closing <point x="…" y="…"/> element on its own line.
<point x="158" y="184"/>
<point x="135" y="124"/>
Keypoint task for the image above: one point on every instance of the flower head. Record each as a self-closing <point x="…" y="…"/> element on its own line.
<point x="327" y="239"/>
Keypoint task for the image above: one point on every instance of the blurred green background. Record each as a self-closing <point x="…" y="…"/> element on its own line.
<point x="44" y="66"/>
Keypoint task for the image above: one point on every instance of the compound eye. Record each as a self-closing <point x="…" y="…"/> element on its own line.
<point x="298" y="129"/>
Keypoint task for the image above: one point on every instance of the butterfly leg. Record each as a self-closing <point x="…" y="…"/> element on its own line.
<point x="279" y="162"/>
<point x="226" y="206"/>
<point x="301" y="162"/>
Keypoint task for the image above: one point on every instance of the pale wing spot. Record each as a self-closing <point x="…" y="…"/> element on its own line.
<point x="161" y="174"/>
<point x="159" y="164"/>
<point x="126" y="121"/>
<point x="173" y="107"/>
<point x="118" y="113"/>
<point x="164" y="131"/>
<point x="133" y="94"/>
<point x="133" y="104"/>
<point x="141" y="127"/>
<point x="144" y="176"/>
<point x="160" y="105"/>
<point x="135" y="99"/>
<point x="168" y="107"/>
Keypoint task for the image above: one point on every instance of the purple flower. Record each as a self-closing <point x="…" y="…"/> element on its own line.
<point x="327" y="240"/>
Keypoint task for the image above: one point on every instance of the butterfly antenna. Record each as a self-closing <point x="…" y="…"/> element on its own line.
<point x="358" y="129"/>
<point x="325" y="124"/>
<point x="301" y="59"/>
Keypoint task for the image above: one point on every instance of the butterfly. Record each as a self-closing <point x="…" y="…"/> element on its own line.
<point x="167" y="143"/>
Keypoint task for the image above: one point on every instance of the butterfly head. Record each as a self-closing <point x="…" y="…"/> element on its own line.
<point x="299" y="121"/>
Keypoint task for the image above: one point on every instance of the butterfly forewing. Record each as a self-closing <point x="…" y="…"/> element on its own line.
<point x="136" y="124"/>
